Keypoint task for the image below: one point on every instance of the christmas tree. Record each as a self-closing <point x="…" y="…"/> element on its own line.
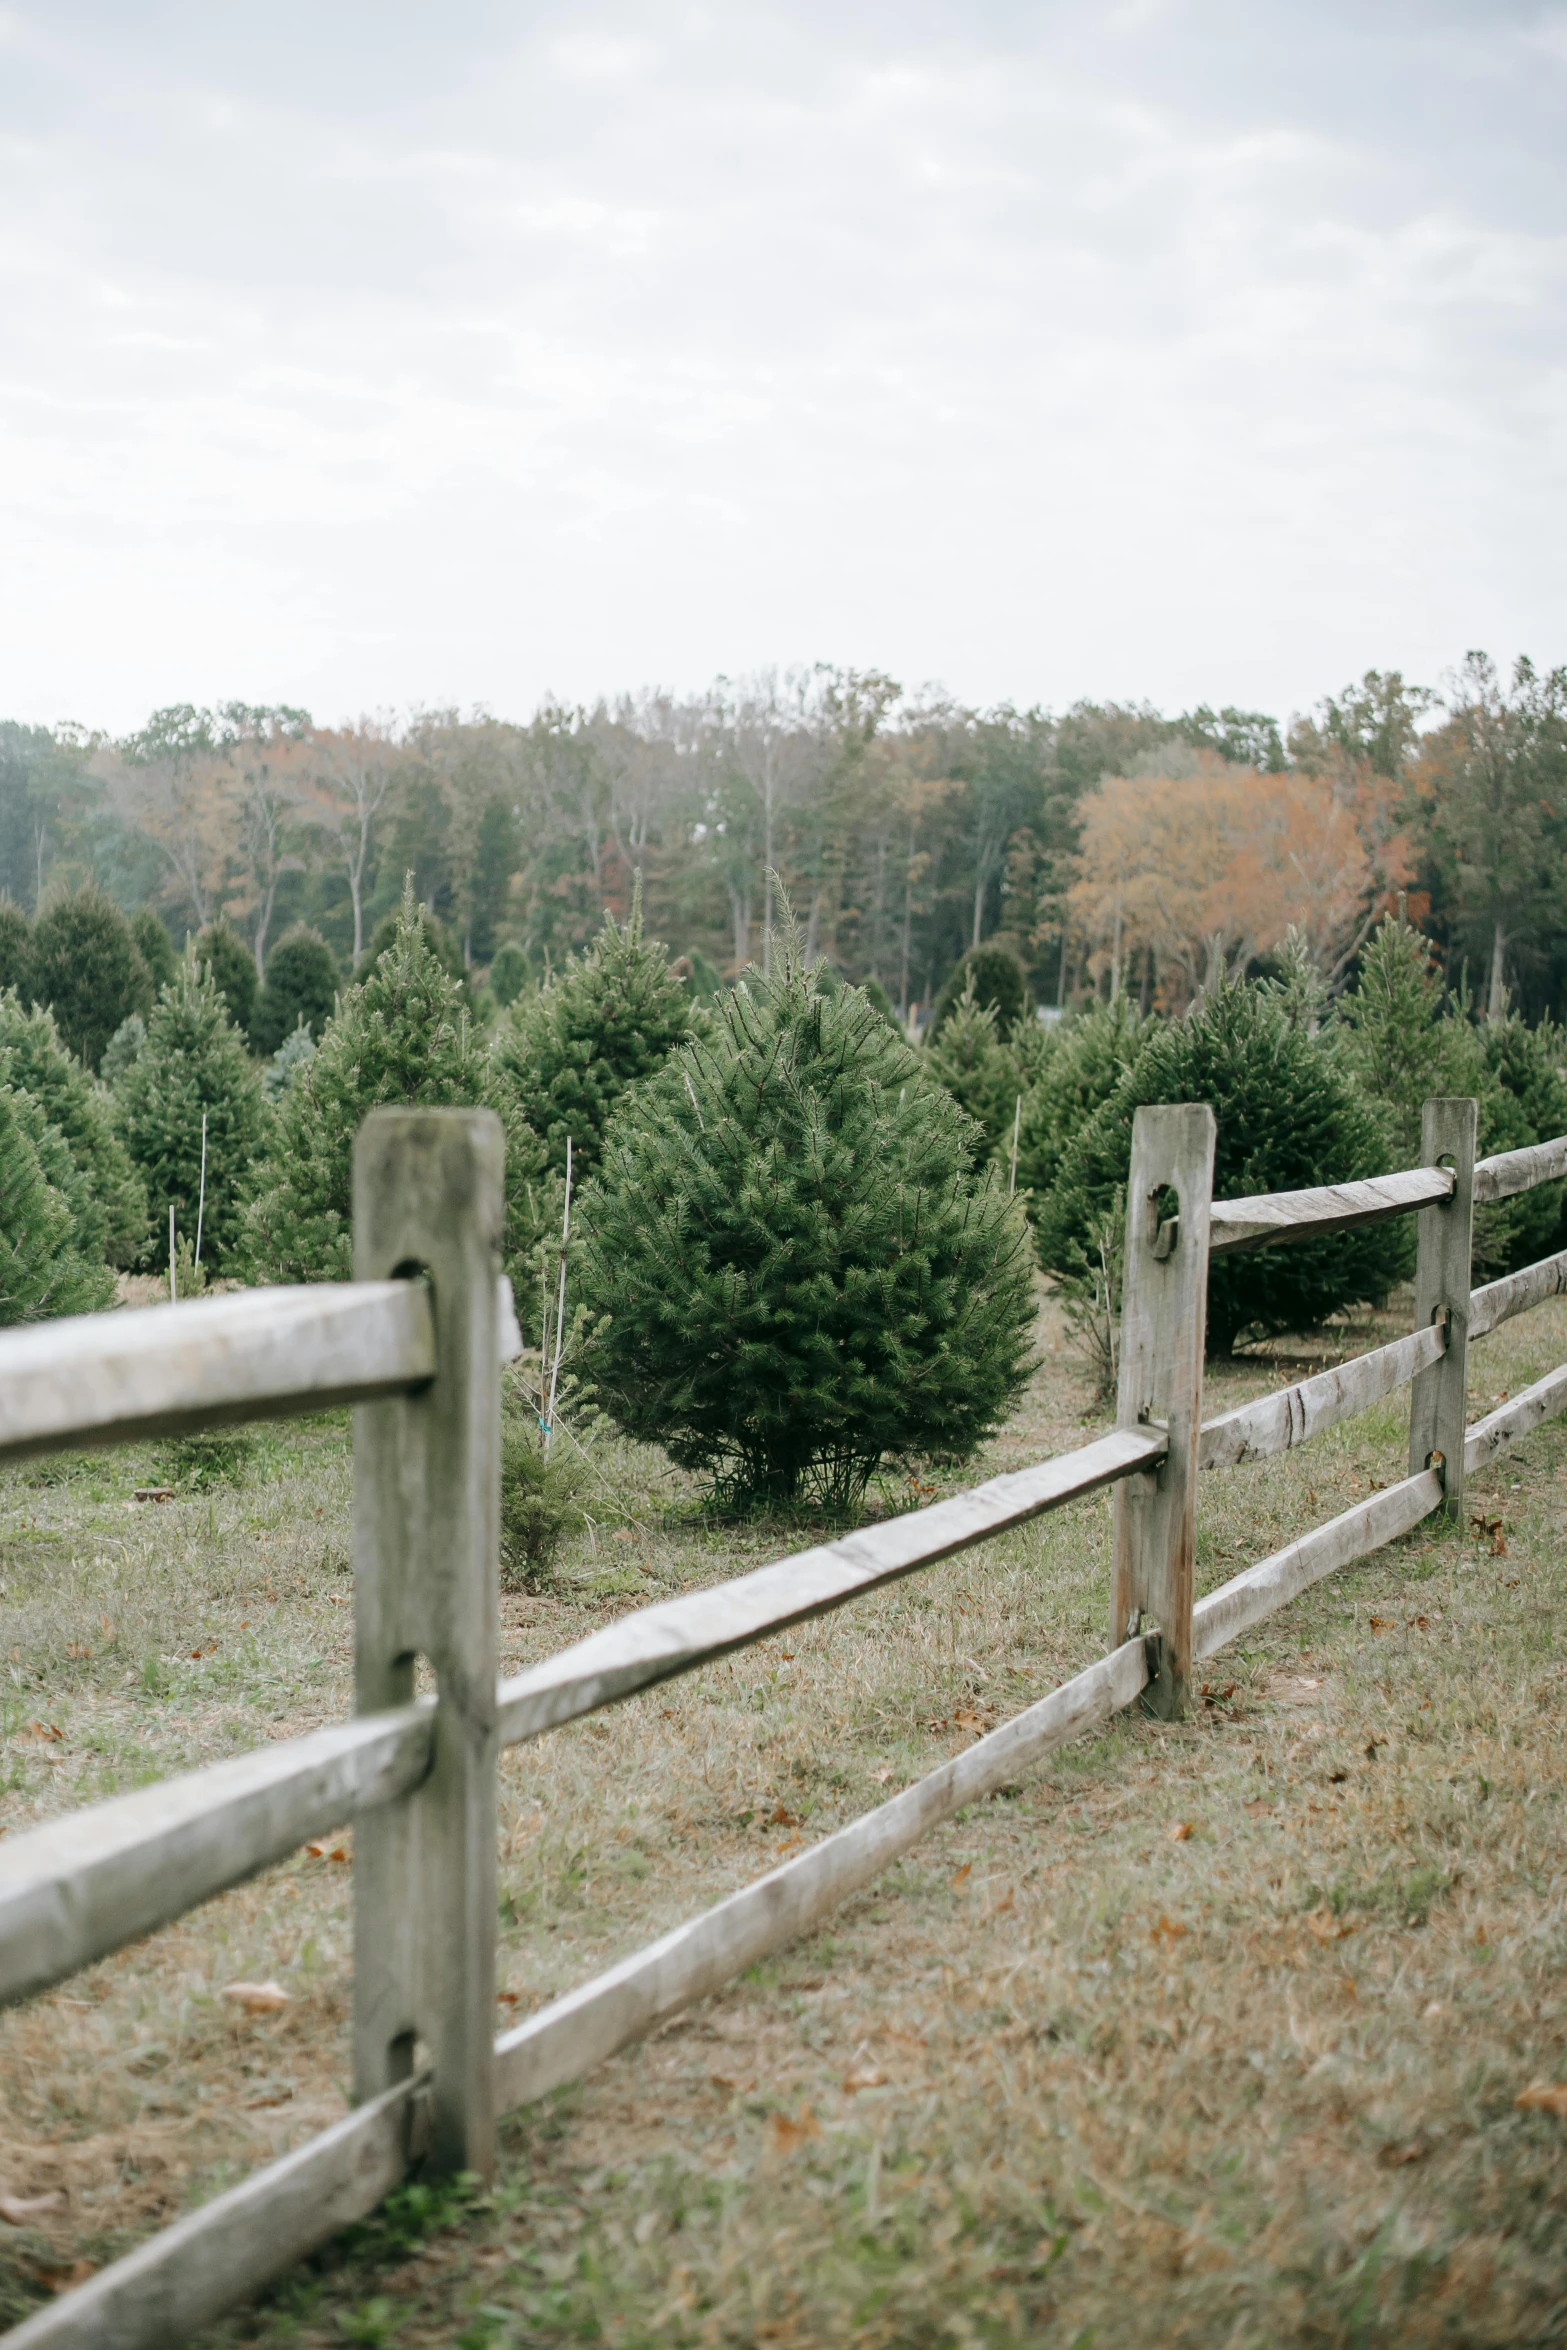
<point x="84" y="962"/>
<point x="113" y="1211"/>
<point x="791" y="1267"/>
<point x="193" y="1066"/>
<point x="43" y="1271"/>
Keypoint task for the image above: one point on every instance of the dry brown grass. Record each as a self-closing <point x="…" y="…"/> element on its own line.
<point x="1067" y="2070"/>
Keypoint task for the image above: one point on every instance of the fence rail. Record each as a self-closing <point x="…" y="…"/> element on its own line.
<point x="421" y="1357"/>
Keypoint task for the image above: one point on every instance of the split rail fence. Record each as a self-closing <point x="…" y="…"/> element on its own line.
<point x="415" y="1342"/>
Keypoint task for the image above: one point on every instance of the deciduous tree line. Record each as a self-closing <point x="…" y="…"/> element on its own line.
<point x="1114" y="848"/>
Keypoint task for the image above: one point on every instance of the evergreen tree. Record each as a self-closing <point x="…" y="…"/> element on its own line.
<point x="110" y="1203"/>
<point x="1289" y="1116"/>
<point x="608" y="1020"/>
<point x="156" y="947"/>
<point x="998" y="979"/>
<point x="221" y="950"/>
<point x="437" y="938"/>
<point x="508" y="975"/>
<point x="968" y="1057"/>
<point x="42" y="1270"/>
<point x="1526" y="1070"/>
<point x="123" y="1047"/>
<point x="16" y="945"/>
<point x="301" y="985"/>
<point x="1082" y="1063"/>
<point x="401" y="1035"/>
<point x="194" y="1061"/>
<point x="1397" y="1035"/>
<point x="86" y="966"/>
<point x="293" y="1054"/>
<point x="790" y="1267"/>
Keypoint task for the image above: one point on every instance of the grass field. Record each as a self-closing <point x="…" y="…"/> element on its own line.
<point x="1206" y="2034"/>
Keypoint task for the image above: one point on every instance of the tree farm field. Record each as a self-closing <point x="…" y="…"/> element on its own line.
<point x="1213" y="2032"/>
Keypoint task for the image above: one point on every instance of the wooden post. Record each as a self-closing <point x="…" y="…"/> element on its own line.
<point x="1163" y="1326"/>
<point x="428" y="1200"/>
<point x="1439" y="1396"/>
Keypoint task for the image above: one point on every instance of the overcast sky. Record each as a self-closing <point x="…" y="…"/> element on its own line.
<point x="365" y="355"/>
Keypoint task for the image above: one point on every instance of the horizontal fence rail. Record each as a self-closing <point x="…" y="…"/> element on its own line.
<point x="1510" y="1172"/>
<point x="1329" y="1207"/>
<point x="655" y="1643"/>
<point x="72" y="1890"/>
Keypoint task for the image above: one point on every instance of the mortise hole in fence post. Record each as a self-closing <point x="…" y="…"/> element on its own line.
<point x="428" y="1197"/>
<point x="1443" y="1272"/>
<point x="1164" y="1315"/>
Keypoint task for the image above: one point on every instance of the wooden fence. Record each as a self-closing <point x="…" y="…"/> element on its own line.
<point x="415" y="1341"/>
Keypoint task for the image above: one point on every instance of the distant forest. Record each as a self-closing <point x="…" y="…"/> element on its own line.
<point x="1115" y="848"/>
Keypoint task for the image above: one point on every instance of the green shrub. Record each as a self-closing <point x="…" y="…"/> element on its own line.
<point x="86" y="966"/>
<point x="209" y="1458"/>
<point x="16" y="946"/>
<point x="112" y="1208"/>
<point x="156" y="947"/>
<point x="301" y="985"/>
<point x="540" y="1498"/>
<point x="609" y="1019"/>
<point x="791" y="1268"/>
<point x="998" y="979"/>
<point x="1288" y="1116"/>
<point x="401" y="1035"/>
<point x="221" y="950"/>
<point x="1082" y="1062"/>
<point x="508" y="975"/>
<point x="42" y="1269"/>
<point x="193" y="1062"/>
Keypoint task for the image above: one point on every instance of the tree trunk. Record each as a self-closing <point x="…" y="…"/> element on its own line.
<point x="979" y="905"/>
<point x="1496" y="1004"/>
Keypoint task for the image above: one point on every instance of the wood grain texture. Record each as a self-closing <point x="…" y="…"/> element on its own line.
<point x="95" y="1379"/>
<point x="1329" y="1207"/>
<point x="1516" y="1417"/>
<point x="1509" y="1172"/>
<point x="1250" y="1596"/>
<point x="1515" y="1293"/>
<point x="73" y="1889"/>
<point x="656" y="1643"/>
<point x="177" y="2282"/>
<point x="577" y="2032"/>
<point x="1163" y="1326"/>
<point x="428" y="1192"/>
<point x="1277" y="1423"/>
<point x="1443" y="1273"/>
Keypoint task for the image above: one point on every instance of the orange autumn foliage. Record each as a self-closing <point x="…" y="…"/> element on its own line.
<point x="1223" y="860"/>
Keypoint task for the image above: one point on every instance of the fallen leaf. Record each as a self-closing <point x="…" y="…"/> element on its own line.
<point x="1326" y="1926"/>
<point x="1181" y="1832"/>
<point x="1419" y="1623"/>
<point x="864" y="2076"/>
<point x="1168" y="1927"/>
<point x="1543" y="2097"/>
<point x="883" y="1775"/>
<point x="963" y="1875"/>
<point x="508" y="1998"/>
<point x="1337" y="1778"/>
<point x="1008" y="1901"/>
<point x="1381" y="1623"/>
<point x="785" y="2135"/>
<point x="323" y="1848"/>
<point x="256" y="1998"/>
<point x="1393" y="2156"/>
<point x="43" y="1730"/>
<point x="78" y="1648"/>
<point x="61" y="2280"/>
<point x="778" y="1817"/>
<point x="154" y="1493"/>
<point x="1370" y="1748"/>
<point x="17" y="2210"/>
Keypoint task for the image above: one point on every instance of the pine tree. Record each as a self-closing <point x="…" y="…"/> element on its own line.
<point x="194" y="1062"/>
<point x="302" y="984"/>
<point x="968" y="1057"/>
<point x="1399" y="1037"/>
<point x="293" y="1054"/>
<point x="123" y="1047"/>
<point x="85" y="964"/>
<point x="1289" y="1116"/>
<point x="155" y="947"/>
<point x="437" y="937"/>
<point x="401" y="1035"/>
<point x="221" y="950"/>
<point x="998" y="979"/>
<point x="42" y="1270"/>
<point x="112" y="1216"/>
<point x="1082" y="1063"/>
<point x="508" y="974"/>
<point x="790" y="1267"/>
<point x="16" y="945"/>
<point x="608" y="1020"/>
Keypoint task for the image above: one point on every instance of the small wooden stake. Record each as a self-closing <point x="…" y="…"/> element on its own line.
<point x="1163" y="1325"/>
<point x="428" y="1199"/>
<point x="1442" y="1276"/>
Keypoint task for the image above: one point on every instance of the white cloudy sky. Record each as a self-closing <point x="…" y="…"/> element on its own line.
<point x="371" y="352"/>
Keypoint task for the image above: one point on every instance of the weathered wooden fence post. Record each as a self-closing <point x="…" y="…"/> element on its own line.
<point x="1443" y="1278"/>
<point x="1163" y="1326"/>
<point x="428" y="1200"/>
